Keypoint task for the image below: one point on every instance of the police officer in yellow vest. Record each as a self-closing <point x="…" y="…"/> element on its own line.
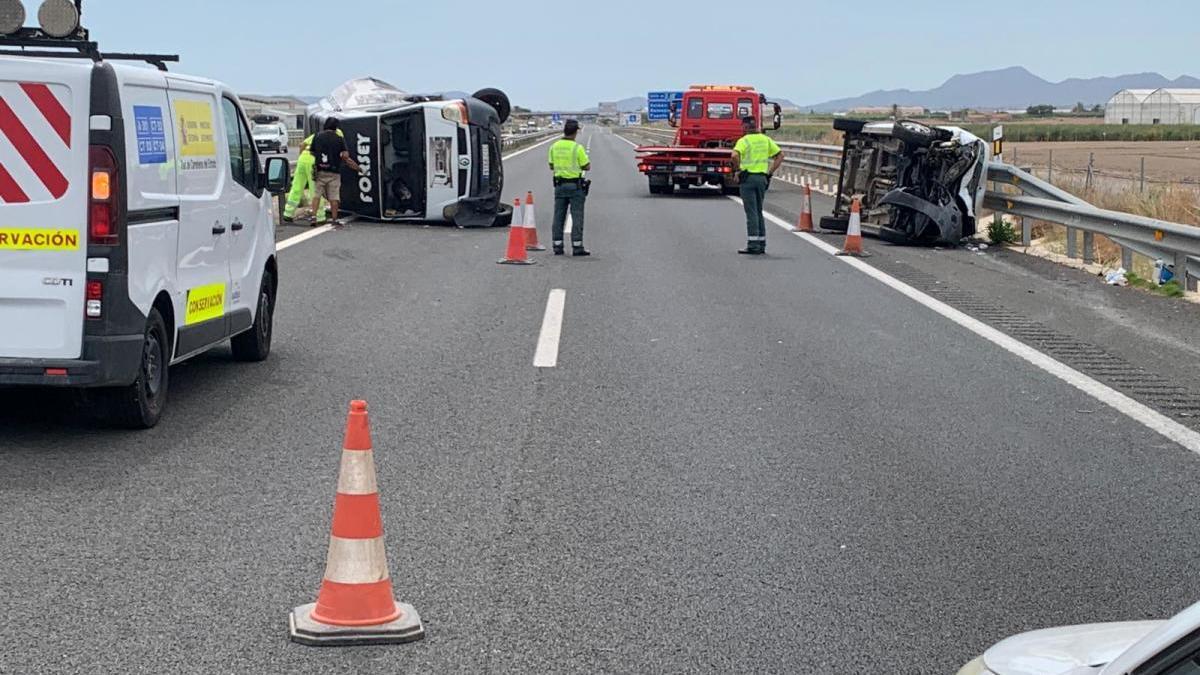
<point x="756" y="157"/>
<point x="568" y="161"/>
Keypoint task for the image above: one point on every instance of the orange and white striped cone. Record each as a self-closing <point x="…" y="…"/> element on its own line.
<point x="531" y="238"/>
<point x="355" y="605"/>
<point x="806" y="221"/>
<point x="516" y="239"/>
<point x="854" y="241"/>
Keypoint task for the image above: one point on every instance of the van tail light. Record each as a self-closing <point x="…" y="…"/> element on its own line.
<point x="102" y="198"/>
<point x="94" y="309"/>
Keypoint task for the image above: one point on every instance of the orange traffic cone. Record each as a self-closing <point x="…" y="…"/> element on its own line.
<point x="854" y="240"/>
<point x="806" y="221"/>
<point x="531" y="239"/>
<point x="355" y="605"/>
<point x="516" y="239"/>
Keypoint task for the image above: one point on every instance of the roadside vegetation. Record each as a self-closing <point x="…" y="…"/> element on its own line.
<point x="1176" y="204"/>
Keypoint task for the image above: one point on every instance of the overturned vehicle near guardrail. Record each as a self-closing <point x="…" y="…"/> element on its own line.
<point x="424" y="157"/>
<point x="917" y="184"/>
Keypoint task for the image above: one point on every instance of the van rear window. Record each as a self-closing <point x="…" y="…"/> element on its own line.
<point x="35" y="157"/>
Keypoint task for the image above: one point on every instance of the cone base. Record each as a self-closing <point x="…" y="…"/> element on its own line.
<point x="304" y="630"/>
<point x="506" y="261"/>
<point x="853" y="254"/>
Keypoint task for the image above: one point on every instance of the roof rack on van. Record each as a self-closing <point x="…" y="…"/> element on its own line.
<point x="32" y="43"/>
<point x="60" y="35"/>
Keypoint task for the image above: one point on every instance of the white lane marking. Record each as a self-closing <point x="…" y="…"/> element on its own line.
<point x="568" y="225"/>
<point x="625" y="139"/>
<point x="1138" y="412"/>
<point x="302" y="237"/>
<point x="547" y="347"/>
<point x="318" y="231"/>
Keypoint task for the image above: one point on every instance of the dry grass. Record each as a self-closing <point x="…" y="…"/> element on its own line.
<point x="1173" y="204"/>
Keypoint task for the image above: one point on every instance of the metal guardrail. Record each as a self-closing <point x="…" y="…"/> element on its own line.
<point x="517" y="140"/>
<point x="1039" y="200"/>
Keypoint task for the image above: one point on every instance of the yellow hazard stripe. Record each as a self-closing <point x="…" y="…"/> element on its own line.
<point x="13" y="239"/>
<point x="205" y="303"/>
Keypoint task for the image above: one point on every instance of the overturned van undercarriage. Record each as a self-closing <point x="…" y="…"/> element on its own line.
<point x="917" y="184"/>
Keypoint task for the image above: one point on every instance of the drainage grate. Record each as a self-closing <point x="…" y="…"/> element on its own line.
<point x="1146" y="387"/>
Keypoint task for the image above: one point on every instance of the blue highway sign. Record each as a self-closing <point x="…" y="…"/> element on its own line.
<point x="658" y="103"/>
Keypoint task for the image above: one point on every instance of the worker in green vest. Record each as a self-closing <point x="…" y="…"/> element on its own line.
<point x="756" y="158"/>
<point x="302" y="180"/>
<point x="568" y="161"/>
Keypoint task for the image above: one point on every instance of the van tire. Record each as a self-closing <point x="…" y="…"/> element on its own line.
<point x="255" y="344"/>
<point x="834" y="224"/>
<point x="848" y="126"/>
<point x="498" y="100"/>
<point x="917" y="135"/>
<point x="141" y="404"/>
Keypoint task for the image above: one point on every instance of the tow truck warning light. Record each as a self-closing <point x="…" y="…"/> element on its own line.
<point x="56" y="18"/>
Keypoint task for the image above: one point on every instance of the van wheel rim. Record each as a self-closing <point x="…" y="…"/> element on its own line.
<point x="152" y="365"/>
<point x="264" y="311"/>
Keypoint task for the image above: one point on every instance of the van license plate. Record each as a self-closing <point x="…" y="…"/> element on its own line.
<point x="685" y="169"/>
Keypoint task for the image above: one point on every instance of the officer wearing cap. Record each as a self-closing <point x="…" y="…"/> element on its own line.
<point x="568" y="161"/>
<point x="756" y="157"/>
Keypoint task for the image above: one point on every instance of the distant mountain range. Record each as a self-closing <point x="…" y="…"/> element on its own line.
<point x="1010" y="88"/>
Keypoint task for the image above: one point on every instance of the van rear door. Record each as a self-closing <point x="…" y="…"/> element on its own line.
<point x="44" y="117"/>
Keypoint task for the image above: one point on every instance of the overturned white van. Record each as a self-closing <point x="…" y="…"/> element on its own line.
<point x="424" y="157"/>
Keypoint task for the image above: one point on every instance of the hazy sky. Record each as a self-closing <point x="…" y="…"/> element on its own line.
<point x="574" y="54"/>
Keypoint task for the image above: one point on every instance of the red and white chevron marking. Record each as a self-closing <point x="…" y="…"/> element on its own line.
<point x="35" y="142"/>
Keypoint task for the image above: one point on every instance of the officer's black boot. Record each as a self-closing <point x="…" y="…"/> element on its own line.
<point x="558" y="250"/>
<point x="579" y="251"/>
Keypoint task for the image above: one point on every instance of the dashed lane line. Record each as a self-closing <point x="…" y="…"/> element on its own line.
<point x="302" y="237"/>
<point x="318" y="231"/>
<point x="546" y="355"/>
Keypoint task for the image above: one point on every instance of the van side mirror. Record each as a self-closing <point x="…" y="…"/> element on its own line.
<point x="277" y="174"/>
<point x="673" y="115"/>
<point x="777" y="117"/>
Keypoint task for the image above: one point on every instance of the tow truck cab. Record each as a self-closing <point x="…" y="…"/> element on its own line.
<point x="711" y="115"/>
<point x="709" y="123"/>
<point x="423" y="157"/>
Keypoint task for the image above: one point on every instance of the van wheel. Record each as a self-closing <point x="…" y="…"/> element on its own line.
<point x="141" y="404"/>
<point x="255" y="344"/>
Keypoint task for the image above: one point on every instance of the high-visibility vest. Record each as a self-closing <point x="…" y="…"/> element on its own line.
<point x="568" y="159"/>
<point x="756" y="151"/>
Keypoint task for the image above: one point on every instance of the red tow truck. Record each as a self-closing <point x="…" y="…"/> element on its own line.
<point x="708" y="123"/>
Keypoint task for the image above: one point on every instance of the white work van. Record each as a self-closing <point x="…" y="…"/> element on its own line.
<point x="135" y="229"/>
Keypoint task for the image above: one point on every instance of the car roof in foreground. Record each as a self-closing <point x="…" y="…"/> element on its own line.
<point x="1181" y="625"/>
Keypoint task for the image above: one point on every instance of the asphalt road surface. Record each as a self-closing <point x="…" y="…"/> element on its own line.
<point x="738" y="464"/>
